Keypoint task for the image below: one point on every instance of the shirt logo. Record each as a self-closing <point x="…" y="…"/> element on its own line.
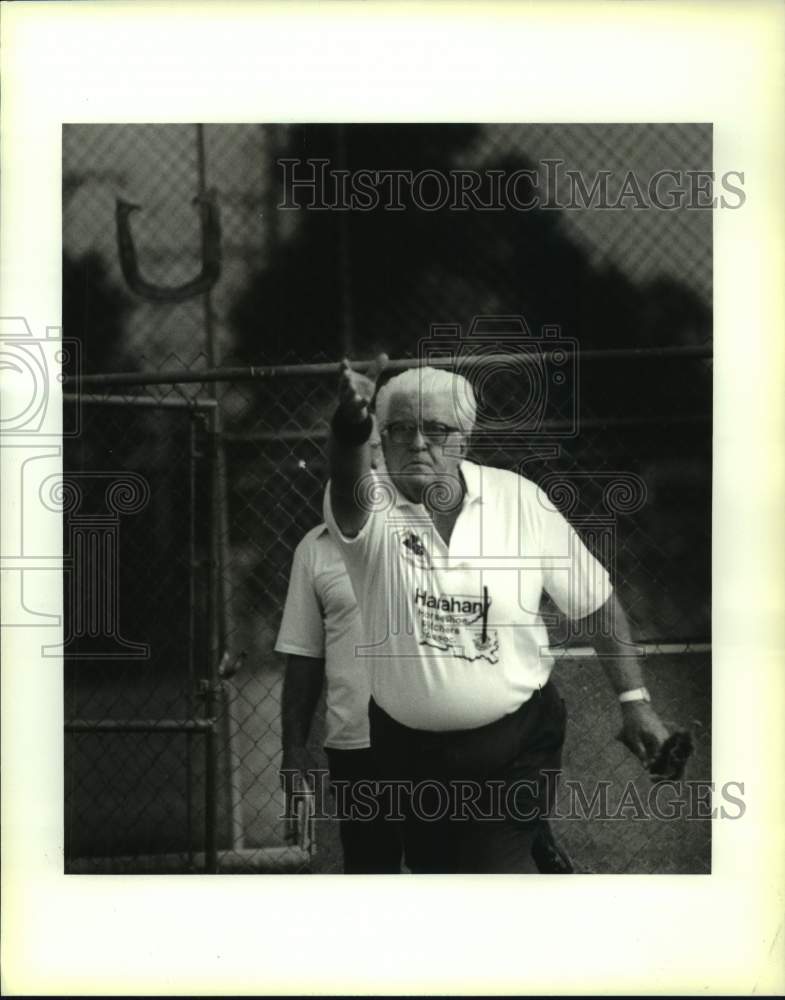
<point x="456" y="624"/>
<point x="413" y="544"/>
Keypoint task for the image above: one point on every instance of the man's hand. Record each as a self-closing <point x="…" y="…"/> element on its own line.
<point x="297" y="765"/>
<point x="355" y="391"/>
<point x="350" y="453"/>
<point x="672" y="757"/>
<point x="643" y="732"/>
<point x="296" y="760"/>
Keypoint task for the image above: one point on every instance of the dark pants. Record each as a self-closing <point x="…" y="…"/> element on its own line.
<point x="478" y="795"/>
<point x="371" y="845"/>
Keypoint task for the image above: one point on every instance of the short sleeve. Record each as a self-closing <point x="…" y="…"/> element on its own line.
<point x="302" y="626"/>
<point x="576" y="580"/>
<point x="365" y="545"/>
<point x="365" y="554"/>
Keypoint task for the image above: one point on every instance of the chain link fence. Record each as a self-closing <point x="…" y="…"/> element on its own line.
<point x="137" y="640"/>
<point x="172" y="759"/>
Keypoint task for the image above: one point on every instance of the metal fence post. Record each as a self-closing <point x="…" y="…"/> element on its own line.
<point x="220" y="523"/>
<point x="211" y="685"/>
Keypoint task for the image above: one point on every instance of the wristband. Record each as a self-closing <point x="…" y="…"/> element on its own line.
<point x="349" y="433"/>
<point x="636" y="694"/>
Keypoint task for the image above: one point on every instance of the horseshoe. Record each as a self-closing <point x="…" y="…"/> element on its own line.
<point x="211" y="253"/>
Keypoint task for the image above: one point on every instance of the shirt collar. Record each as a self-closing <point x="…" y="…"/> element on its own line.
<point x="472" y="476"/>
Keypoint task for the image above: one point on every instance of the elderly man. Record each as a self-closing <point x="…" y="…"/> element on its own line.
<point x="448" y="560"/>
<point x="321" y="632"/>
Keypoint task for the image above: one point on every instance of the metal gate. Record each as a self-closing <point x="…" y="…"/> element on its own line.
<point x="141" y="635"/>
<point x="151" y="747"/>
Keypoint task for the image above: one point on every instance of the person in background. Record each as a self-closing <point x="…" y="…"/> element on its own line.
<point x="320" y="632"/>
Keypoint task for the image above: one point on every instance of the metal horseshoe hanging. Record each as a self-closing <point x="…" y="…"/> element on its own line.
<point x="211" y="253"/>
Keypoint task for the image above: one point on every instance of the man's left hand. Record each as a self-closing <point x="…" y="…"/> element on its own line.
<point x="643" y="732"/>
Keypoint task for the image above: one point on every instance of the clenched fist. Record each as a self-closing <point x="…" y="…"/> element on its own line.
<point x="355" y="391"/>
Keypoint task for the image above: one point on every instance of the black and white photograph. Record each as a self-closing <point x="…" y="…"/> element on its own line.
<point x="496" y="342"/>
<point x="391" y="516"/>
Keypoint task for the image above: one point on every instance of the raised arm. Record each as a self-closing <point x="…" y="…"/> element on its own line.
<point x="350" y="453"/>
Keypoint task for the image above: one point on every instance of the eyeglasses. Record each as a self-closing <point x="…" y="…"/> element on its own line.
<point x="403" y="432"/>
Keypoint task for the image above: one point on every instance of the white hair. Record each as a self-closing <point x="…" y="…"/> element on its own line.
<point x="431" y="382"/>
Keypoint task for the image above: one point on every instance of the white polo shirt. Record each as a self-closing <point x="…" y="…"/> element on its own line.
<point x="321" y="620"/>
<point x="454" y="634"/>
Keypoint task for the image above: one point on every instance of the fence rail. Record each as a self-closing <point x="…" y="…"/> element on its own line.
<point x="252" y="373"/>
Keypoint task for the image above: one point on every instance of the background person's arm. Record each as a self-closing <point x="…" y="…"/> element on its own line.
<point x="302" y="638"/>
<point x="302" y="686"/>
